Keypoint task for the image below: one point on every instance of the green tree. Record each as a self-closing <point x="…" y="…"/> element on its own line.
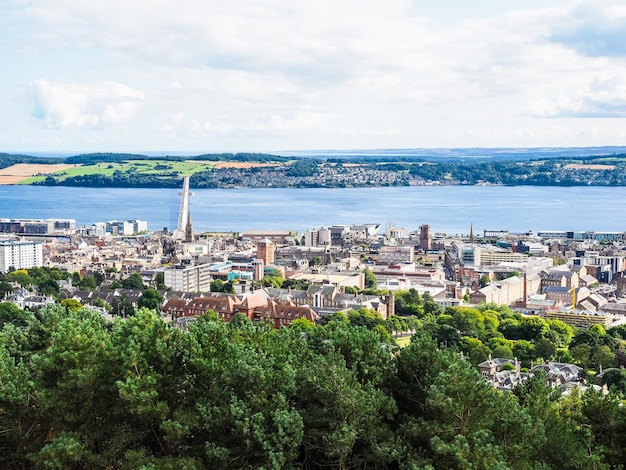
<point x="564" y="333"/>
<point x="122" y="306"/>
<point x="5" y="288"/>
<point x="71" y="304"/>
<point x="545" y="349"/>
<point x="151" y="299"/>
<point x="244" y="397"/>
<point x="134" y="281"/>
<point x="217" y="286"/>
<point x="272" y="281"/>
<point x="88" y="283"/>
<point x="370" y="279"/>
<point x="533" y="328"/>
<point x="345" y="423"/>
<point x="431" y="307"/>
<point x="21" y="430"/>
<point x="365" y="317"/>
<point x="48" y="287"/>
<point x="98" y="302"/>
<point x="524" y="350"/>
<point x="20" y="276"/>
<point x="11" y="313"/>
<point x="503" y="351"/>
<point x="160" y="281"/>
<point x="582" y="354"/>
<point x="603" y="356"/>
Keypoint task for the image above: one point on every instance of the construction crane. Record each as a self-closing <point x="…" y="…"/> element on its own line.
<point x="572" y="291"/>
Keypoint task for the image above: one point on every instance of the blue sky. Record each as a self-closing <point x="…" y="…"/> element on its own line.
<point x="279" y="75"/>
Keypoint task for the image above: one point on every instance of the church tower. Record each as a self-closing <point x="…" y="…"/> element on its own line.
<point x="426" y="238"/>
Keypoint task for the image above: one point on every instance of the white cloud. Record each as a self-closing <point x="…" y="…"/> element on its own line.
<point x="80" y="106"/>
<point x="181" y="125"/>
<point x="354" y="73"/>
<point x="604" y="97"/>
<point x="595" y="28"/>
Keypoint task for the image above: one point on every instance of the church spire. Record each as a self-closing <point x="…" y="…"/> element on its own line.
<point x="471" y="233"/>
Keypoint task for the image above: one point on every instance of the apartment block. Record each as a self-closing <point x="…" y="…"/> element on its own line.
<point x="20" y="255"/>
<point x="194" y="278"/>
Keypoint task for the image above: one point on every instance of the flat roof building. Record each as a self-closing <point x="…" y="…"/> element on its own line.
<point x="20" y="255"/>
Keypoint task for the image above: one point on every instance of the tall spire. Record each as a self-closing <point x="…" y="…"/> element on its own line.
<point x="189" y="229"/>
<point x="471" y="233"/>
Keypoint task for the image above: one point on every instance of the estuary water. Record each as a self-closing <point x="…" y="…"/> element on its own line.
<point x="449" y="209"/>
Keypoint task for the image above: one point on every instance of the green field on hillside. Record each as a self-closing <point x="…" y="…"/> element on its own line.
<point x="148" y="167"/>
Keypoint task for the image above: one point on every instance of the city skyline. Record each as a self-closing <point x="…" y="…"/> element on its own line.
<point x="280" y="76"/>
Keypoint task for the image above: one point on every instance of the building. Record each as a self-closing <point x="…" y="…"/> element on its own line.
<point x="317" y="237"/>
<point x="579" y="319"/>
<point x="495" y="233"/>
<point x="265" y="251"/>
<point x="193" y="278"/>
<point x="426" y="239"/>
<point x="20" y="255"/>
<point x="119" y="227"/>
<point x="139" y="226"/>
<point x="396" y="254"/>
<point x="396" y="234"/>
<point x="278" y="237"/>
<point x="258" y="308"/>
<point x="507" y="291"/>
<point x="566" y="295"/>
<point x="340" y="279"/>
<point x="38" y="226"/>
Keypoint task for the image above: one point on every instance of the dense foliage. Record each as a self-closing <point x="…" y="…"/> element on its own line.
<point x="77" y="393"/>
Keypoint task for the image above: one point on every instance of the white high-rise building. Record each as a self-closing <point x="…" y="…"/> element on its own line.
<point x="194" y="278"/>
<point x="20" y="255"/>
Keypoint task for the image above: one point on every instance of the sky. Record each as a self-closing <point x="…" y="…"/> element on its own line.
<point x="204" y="76"/>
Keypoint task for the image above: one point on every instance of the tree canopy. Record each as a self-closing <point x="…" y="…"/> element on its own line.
<point x="76" y="392"/>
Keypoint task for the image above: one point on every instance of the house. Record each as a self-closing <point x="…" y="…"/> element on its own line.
<point x="37" y="301"/>
<point x="258" y="307"/>
<point x="558" y="373"/>
<point x="491" y="366"/>
<point x="224" y="305"/>
<point x="283" y="314"/>
<point x="592" y="303"/>
<point x="558" y="277"/>
<point x="566" y="295"/>
<point x="328" y="298"/>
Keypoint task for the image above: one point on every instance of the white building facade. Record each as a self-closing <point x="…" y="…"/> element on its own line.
<point x="20" y="255"/>
<point x="195" y="278"/>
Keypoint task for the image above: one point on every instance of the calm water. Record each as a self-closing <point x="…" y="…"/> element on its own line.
<point x="449" y="209"/>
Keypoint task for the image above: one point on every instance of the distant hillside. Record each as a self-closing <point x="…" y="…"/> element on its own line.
<point x="91" y="158"/>
<point x="8" y="159"/>
<point x="457" y="154"/>
<point x="548" y="167"/>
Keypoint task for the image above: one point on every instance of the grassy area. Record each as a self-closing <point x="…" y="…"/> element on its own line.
<point x="403" y="341"/>
<point x="153" y="167"/>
